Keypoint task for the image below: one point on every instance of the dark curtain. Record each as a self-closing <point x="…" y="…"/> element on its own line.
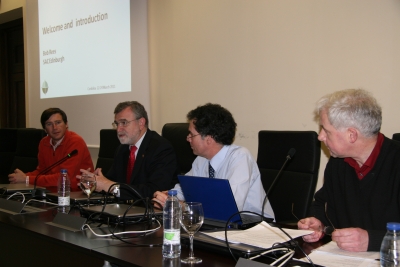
<point x="12" y="77"/>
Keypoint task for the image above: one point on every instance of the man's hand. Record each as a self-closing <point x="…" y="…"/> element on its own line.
<point x="102" y="183"/>
<point x="314" y="224"/>
<point x="351" y="239"/>
<point x="160" y="197"/>
<point x="18" y="177"/>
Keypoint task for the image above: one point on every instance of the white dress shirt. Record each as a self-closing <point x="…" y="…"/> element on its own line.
<point x="236" y="164"/>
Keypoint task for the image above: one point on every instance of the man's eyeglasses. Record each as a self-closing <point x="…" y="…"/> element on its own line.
<point x="293" y="212"/>
<point x="190" y="135"/>
<point x="124" y="123"/>
<point x="328" y="229"/>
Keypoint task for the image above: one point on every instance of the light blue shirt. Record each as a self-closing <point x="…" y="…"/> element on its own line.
<point x="236" y="164"/>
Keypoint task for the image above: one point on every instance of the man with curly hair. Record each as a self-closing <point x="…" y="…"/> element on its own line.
<point x="212" y="131"/>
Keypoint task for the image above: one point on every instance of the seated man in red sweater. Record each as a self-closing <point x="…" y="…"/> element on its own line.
<point x="58" y="143"/>
<point x="361" y="186"/>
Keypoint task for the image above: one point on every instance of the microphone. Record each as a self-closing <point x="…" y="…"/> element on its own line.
<point x="289" y="156"/>
<point x="39" y="192"/>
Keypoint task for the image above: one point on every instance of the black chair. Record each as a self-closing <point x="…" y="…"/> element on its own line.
<point x="296" y="184"/>
<point x="8" y="148"/>
<point x="396" y="136"/>
<point x="176" y="133"/>
<point x="28" y="140"/>
<point x="108" y="144"/>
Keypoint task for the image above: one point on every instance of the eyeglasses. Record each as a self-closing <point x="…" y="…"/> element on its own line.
<point x="293" y="212"/>
<point x="124" y="123"/>
<point x="190" y="135"/>
<point x="328" y="229"/>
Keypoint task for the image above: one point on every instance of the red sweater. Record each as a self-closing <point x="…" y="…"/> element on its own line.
<point x="47" y="156"/>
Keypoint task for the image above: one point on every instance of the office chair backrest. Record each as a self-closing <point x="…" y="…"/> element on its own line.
<point x="396" y="136"/>
<point x="296" y="184"/>
<point x="8" y="148"/>
<point x="176" y="133"/>
<point x="26" y="156"/>
<point x="108" y="144"/>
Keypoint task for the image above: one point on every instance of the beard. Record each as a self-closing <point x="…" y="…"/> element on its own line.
<point x="124" y="139"/>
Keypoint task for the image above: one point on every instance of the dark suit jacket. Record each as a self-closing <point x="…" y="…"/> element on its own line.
<point x="155" y="168"/>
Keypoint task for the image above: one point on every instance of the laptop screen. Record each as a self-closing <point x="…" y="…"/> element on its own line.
<point x="215" y="195"/>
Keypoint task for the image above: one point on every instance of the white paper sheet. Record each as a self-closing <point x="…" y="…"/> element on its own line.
<point x="331" y="255"/>
<point x="262" y="235"/>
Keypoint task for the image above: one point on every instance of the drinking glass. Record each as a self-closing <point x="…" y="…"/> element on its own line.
<point x="88" y="185"/>
<point x="192" y="217"/>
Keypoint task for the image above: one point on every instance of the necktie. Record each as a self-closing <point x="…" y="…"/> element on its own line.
<point x="131" y="163"/>
<point x="211" y="171"/>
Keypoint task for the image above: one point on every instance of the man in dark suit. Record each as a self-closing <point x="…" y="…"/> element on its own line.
<point x="144" y="160"/>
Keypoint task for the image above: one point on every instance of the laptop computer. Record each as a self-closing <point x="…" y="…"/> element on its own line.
<point x="218" y="202"/>
<point x="118" y="210"/>
<point x="80" y="197"/>
<point x="13" y="188"/>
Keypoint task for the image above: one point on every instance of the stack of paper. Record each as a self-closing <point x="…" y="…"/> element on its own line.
<point x="262" y="235"/>
<point x="265" y="236"/>
<point x="331" y="255"/>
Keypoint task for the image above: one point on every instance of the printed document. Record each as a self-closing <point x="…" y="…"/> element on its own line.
<point x="262" y="235"/>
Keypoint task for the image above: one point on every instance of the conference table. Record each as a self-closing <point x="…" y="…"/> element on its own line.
<point x="29" y="239"/>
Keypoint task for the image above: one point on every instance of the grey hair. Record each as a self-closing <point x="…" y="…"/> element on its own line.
<point x="355" y="108"/>
<point x="138" y="110"/>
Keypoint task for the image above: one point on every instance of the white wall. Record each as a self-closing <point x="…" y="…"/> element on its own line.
<point x="269" y="61"/>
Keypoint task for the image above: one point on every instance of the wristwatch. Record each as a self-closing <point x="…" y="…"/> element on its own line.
<point x="115" y="190"/>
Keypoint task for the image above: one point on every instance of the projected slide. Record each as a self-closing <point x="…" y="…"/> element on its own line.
<point x="84" y="47"/>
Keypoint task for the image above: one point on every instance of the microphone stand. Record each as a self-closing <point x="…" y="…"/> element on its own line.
<point x="291" y="153"/>
<point x="39" y="192"/>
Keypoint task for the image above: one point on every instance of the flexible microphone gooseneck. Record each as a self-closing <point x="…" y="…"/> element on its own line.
<point x="289" y="156"/>
<point x="39" y="192"/>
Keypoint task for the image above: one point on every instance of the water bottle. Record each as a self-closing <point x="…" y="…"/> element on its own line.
<point x="63" y="189"/>
<point x="390" y="248"/>
<point x="167" y="262"/>
<point x="172" y="229"/>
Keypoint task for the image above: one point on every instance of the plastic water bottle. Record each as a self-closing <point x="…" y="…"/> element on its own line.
<point x="167" y="262"/>
<point x="390" y="248"/>
<point x="172" y="229"/>
<point x="64" y="189"/>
